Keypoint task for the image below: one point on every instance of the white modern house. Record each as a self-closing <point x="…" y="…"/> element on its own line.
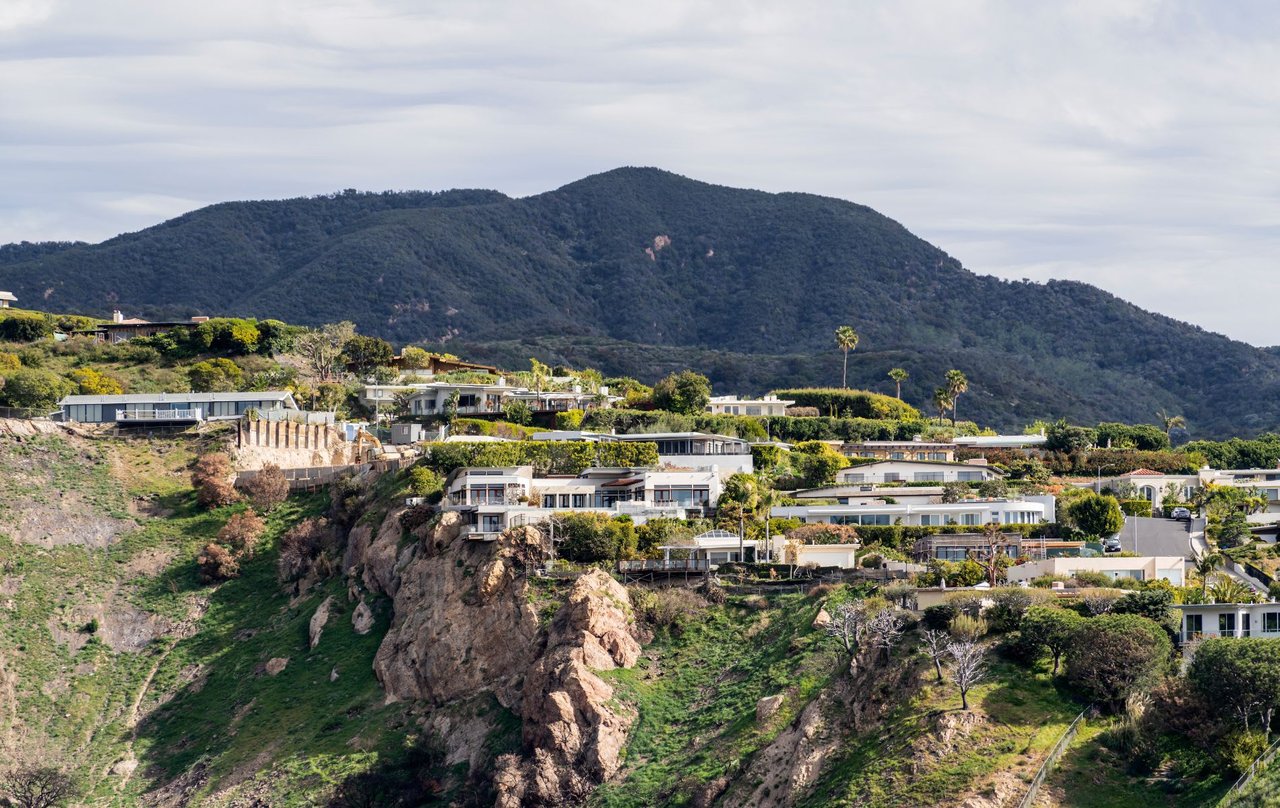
<point x="1024" y="443"/>
<point x="1206" y="620"/>
<point x="916" y="471"/>
<point x="864" y="493"/>
<point x="685" y="450"/>
<point x="171" y="408"/>
<point x="1142" y="568"/>
<point x="432" y="398"/>
<point x="763" y="406"/>
<point x="6" y="298"/>
<point x="494" y="499"/>
<point x="972" y="513"/>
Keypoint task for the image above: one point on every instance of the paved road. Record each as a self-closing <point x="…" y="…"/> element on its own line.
<point x="1156" y="537"/>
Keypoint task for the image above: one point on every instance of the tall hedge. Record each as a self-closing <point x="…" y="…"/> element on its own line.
<point x="554" y="457"/>
<point x="851" y="403"/>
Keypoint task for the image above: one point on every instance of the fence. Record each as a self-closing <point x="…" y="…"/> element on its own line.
<point x="27" y="414"/>
<point x="1052" y="760"/>
<point x="1256" y="767"/>
<point x="307" y="478"/>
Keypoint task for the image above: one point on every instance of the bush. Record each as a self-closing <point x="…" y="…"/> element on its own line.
<point x="1010" y="603"/>
<point x="569" y="419"/>
<point x="303" y="547"/>
<point x="267" y="489"/>
<point x="92" y="383"/>
<point x="966" y="628"/>
<point x="939" y="616"/>
<point x="34" y="389"/>
<point x="1240" y="749"/>
<point x="211" y="478"/>
<point x="215" y="376"/>
<point x="589" y="538"/>
<point x="686" y="392"/>
<point x="1111" y="656"/>
<point x="216" y="563"/>
<point x="424" y="482"/>
<point x="241" y="533"/>
<point x="1136" y="507"/>
<point x="668" y="607"/>
<point x="1089" y="578"/>
<point x="25" y="327"/>
<point x="851" y="403"/>
<point x="518" y="412"/>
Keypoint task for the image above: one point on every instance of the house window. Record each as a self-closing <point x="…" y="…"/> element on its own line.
<point x="491" y="523"/>
<point x="928" y="476"/>
<point x="930" y="519"/>
<point x="969" y="476"/>
<point x="1271" y="621"/>
<point x="969" y="519"/>
<point x="579" y="500"/>
<point x="937" y="456"/>
<point x="1227" y="625"/>
<point x="1195" y="625"/>
<point x="548" y="500"/>
<point x="564" y="500"/>
<point x="892" y="477"/>
<point x="856" y="478"/>
<point x="897" y="456"/>
<point x="951" y="554"/>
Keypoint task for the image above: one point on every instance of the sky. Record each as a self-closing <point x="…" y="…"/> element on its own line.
<point x="1131" y="144"/>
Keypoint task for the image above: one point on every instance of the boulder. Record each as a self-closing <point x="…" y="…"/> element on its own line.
<point x="362" y="618"/>
<point x="318" y="620"/>
<point x="822" y="619"/>
<point x="767" y="707"/>
<point x="275" y="665"/>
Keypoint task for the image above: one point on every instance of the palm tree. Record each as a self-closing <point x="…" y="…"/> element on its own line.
<point x="1206" y="565"/>
<point x="1228" y="590"/>
<point x="943" y="400"/>
<point x="846" y="340"/>
<point x="899" y="375"/>
<point x="956" y="384"/>
<point x="1170" y="422"/>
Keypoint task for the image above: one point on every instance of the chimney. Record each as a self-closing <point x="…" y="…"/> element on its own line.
<point x="117" y="317"/>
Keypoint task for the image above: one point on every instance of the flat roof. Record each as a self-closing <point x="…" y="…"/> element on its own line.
<point x="948" y="463"/>
<point x="145" y="398"/>
<point x="651" y="436"/>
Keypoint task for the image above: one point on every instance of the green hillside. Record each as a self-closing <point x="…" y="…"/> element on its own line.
<point x="675" y="269"/>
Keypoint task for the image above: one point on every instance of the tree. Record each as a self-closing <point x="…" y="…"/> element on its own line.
<point x="1065" y="438"/>
<point x="849" y="626"/>
<point x="1051" y="628"/>
<point x="1113" y="655"/>
<point x="366" y="353"/>
<point x="817" y="463"/>
<point x="219" y="375"/>
<point x="936" y="645"/>
<point x="242" y="532"/>
<point x="899" y="375"/>
<point x="1170" y="422"/>
<point x="1097" y="515"/>
<point x="413" y="358"/>
<point x="884" y="630"/>
<point x="957" y="384"/>
<point x="846" y="340"/>
<point x="216" y="563"/>
<point x="1239" y="676"/>
<point x="995" y="488"/>
<point x="517" y="411"/>
<point x="32" y="388"/>
<point x="38" y="787"/>
<point x="268" y="488"/>
<point x="321" y="348"/>
<point x="1226" y="589"/>
<point x="687" y="393"/>
<point x="24" y="327"/>
<point x="954" y="492"/>
<point x="93" y="383"/>
<point x="968" y="668"/>
<point x="1206" y="565"/>
<point x="943" y="401"/>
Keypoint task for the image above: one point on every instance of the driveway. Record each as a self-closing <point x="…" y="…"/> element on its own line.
<point x="1156" y="537"/>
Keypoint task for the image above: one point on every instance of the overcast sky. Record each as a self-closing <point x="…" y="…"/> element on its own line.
<point x="1132" y="144"/>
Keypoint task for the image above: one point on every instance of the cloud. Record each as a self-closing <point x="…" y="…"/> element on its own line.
<point x="1126" y="144"/>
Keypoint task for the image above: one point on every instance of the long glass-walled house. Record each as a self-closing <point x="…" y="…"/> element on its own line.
<point x="172" y="408"/>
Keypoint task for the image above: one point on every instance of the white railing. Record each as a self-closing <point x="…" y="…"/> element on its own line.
<point x="159" y="415"/>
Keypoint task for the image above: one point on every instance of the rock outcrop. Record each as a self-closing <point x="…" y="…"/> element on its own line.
<point x="321" y="616"/>
<point x="573" y="726"/>
<point x="362" y="618"/>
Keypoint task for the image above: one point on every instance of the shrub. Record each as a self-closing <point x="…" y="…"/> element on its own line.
<point x="1136" y="507"/>
<point x="210" y="477"/>
<point x="1009" y="605"/>
<point x="1111" y="656"/>
<point x="851" y="403"/>
<point x="302" y="546"/>
<point x="966" y="628"/>
<point x="417" y="516"/>
<point x="32" y="388"/>
<point x="268" y="488"/>
<point x="215" y="376"/>
<point x="569" y="419"/>
<point x="241" y="532"/>
<point x="668" y="607"/>
<point x="9" y="363"/>
<point x="1240" y="749"/>
<point x="216" y="563"/>
<point x="424" y="482"/>
<point x="518" y="412"/>
<point x="686" y="392"/>
<point x="24" y="327"/>
<point x="938" y="617"/>
<point x="1091" y="578"/>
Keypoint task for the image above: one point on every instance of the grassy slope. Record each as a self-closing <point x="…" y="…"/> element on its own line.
<point x="222" y="716"/>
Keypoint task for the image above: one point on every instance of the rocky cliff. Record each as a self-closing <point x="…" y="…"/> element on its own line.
<point x="464" y="626"/>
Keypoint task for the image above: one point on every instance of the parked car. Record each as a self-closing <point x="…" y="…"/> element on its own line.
<point x="1111" y="545"/>
<point x="1181" y="514"/>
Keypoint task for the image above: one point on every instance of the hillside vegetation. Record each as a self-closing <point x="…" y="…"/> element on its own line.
<point x="638" y="271"/>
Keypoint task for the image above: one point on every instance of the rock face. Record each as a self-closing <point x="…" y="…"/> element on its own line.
<point x="767" y="707"/>
<point x="276" y="665"/>
<point x="461" y="623"/>
<point x="318" y="620"/>
<point x="574" y="728"/>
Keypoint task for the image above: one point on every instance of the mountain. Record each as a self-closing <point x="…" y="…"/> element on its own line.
<point x="640" y="271"/>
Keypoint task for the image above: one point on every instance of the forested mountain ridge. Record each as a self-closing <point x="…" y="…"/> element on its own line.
<point x="641" y="270"/>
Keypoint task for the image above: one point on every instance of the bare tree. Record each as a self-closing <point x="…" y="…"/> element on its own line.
<point x="322" y="348"/>
<point x="1099" y="601"/>
<point x="849" y="626"/>
<point x="38" y="787"/>
<point x="969" y="667"/>
<point x="884" y="629"/>
<point x="936" y="645"/>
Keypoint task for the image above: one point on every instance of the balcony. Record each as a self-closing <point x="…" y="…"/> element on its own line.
<point x="168" y="416"/>
<point x="477" y="533"/>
